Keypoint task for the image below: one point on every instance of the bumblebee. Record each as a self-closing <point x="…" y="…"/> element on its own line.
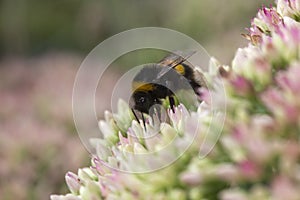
<point x="160" y="81"/>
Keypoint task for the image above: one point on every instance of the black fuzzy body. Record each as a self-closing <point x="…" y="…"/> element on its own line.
<point x="163" y="82"/>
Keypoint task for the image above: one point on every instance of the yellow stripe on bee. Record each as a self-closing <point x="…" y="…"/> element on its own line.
<point x="180" y="69"/>
<point x="141" y="86"/>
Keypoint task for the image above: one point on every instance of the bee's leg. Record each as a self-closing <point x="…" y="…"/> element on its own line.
<point x="170" y="85"/>
<point x="172" y="103"/>
<point x="137" y="119"/>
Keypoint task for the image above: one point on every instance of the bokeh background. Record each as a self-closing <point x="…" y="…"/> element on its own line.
<point x="42" y="44"/>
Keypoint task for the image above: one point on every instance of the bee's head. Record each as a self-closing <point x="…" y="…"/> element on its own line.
<point x="142" y="101"/>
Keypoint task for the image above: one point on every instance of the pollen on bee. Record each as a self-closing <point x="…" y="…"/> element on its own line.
<point x="180" y="69"/>
<point x="141" y="86"/>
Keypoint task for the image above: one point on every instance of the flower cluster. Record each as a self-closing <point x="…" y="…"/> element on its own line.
<point x="289" y="8"/>
<point x="250" y="153"/>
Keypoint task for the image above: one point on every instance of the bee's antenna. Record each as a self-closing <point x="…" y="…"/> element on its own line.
<point x="143" y="120"/>
<point x="137" y="119"/>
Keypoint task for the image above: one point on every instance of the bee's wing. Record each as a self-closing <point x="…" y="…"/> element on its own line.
<point x="172" y="60"/>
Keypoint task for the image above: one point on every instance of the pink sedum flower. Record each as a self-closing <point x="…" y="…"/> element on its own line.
<point x="290" y="8"/>
<point x="244" y="147"/>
